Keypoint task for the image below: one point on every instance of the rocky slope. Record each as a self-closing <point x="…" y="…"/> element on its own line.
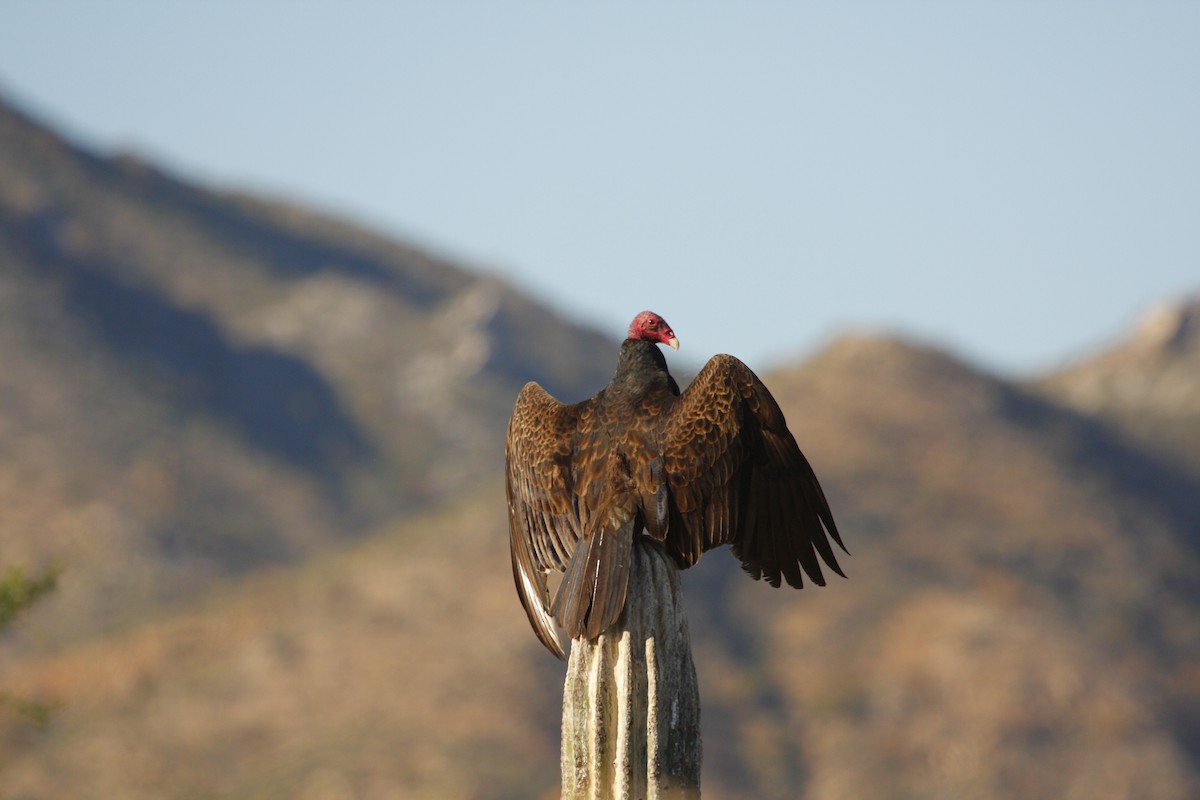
<point x="1020" y="620"/>
<point x="197" y="384"/>
<point x="1148" y="383"/>
<point x="290" y="429"/>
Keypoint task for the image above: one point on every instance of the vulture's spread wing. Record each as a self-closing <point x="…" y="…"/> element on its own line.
<point x="571" y="508"/>
<point x="543" y="517"/>
<point x="736" y="476"/>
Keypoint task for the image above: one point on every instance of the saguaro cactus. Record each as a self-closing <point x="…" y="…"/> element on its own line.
<point x="631" y="706"/>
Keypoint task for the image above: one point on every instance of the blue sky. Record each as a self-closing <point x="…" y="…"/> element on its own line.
<point x="1015" y="180"/>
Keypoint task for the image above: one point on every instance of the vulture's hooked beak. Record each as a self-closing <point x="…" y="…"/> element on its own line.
<point x="673" y="342"/>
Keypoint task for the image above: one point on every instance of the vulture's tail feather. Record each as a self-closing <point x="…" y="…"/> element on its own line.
<point x="592" y="593"/>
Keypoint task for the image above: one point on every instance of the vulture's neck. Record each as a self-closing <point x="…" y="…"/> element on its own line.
<point x="640" y="368"/>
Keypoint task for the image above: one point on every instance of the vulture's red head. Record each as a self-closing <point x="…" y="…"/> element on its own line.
<point x="650" y="327"/>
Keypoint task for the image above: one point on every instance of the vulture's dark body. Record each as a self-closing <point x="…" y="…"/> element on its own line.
<point x="715" y="465"/>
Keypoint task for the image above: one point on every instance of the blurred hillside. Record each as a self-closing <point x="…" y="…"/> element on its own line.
<point x="1147" y="383"/>
<point x="291" y="429"/>
<point x="197" y="384"/>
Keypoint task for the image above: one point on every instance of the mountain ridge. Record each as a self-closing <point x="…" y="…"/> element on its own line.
<point x="252" y="381"/>
<point x="1148" y="383"/>
<point x="327" y="610"/>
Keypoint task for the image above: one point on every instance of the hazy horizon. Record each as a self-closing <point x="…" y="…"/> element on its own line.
<point x="1015" y="182"/>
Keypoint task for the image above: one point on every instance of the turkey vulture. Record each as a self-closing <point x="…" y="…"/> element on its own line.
<point x="711" y="466"/>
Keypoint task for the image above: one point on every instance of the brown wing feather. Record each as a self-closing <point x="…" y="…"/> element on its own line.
<point x="736" y="476"/>
<point x="543" y="520"/>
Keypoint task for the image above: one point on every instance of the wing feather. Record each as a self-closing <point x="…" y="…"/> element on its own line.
<point x="736" y="476"/>
<point x="543" y="519"/>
